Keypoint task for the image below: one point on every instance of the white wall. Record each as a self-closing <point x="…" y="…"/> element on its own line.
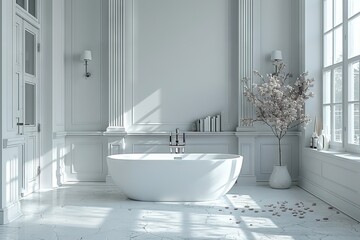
<point x="86" y="98"/>
<point x="52" y="88"/>
<point x="181" y="65"/>
<point x="276" y="27"/>
<point x="329" y="176"/>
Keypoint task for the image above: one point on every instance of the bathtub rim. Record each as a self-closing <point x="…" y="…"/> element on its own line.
<point x="228" y="156"/>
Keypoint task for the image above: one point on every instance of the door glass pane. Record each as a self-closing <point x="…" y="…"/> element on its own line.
<point x="354" y="82"/>
<point x="327" y="120"/>
<point x="30" y="104"/>
<point x="338" y="9"/>
<point x="337" y="88"/>
<point x="338" y="128"/>
<point x="354" y="7"/>
<point x="354" y="127"/>
<point x="327" y="87"/>
<point x="328" y="15"/>
<point x="338" y="44"/>
<point x="21" y="3"/>
<point x="29" y="53"/>
<point x="328" y="46"/>
<point x="354" y="37"/>
<point x="17" y="43"/>
<point x="32" y="7"/>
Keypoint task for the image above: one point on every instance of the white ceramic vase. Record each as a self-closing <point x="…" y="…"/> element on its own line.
<point x="280" y="178"/>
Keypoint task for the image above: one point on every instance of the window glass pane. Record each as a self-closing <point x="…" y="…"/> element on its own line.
<point x="32" y="7"/>
<point x="328" y="46"/>
<point x="338" y="44"/>
<point x="29" y="53"/>
<point x="21" y="3"/>
<point x="327" y="120"/>
<point x="354" y="7"/>
<point x="338" y="9"/>
<point x="327" y="87"/>
<point x="338" y="126"/>
<point x="29" y="104"/>
<point x="354" y="127"/>
<point x="354" y="82"/>
<point x="354" y="37"/>
<point x="328" y="15"/>
<point x="337" y="88"/>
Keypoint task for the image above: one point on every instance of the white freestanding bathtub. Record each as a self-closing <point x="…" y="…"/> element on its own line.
<point x="174" y="177"/>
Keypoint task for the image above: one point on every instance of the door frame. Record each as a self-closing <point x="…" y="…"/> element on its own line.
<point x="30" y="133"/>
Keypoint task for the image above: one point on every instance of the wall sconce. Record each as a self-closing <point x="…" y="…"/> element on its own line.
<point x="86" y="56"/>
<point x="276" y="57"/>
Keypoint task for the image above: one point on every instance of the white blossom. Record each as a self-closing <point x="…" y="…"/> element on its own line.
<point x="279" y="104"/>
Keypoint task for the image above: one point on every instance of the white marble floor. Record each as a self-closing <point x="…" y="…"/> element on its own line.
<point x="99" y="211"/>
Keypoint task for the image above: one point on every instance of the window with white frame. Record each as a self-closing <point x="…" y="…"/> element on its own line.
<point x="341" y="61"/>
<point x="29" y="6"/>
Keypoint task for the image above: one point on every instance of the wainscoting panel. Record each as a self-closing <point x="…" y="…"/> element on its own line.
<point x="269" y="155"/>
<point x="246" y="150"/>
<point x="13" y="155"/>
<point x="86" y="155"/>
<point x="194" y="144"/>
<point x="116" y="146"/>
<point x="59" y="153"/>
<point x="266" y="156"/>
<point x="85" y="159"/>
<point x="335" y="179"/>
<point x="151" y="143"/>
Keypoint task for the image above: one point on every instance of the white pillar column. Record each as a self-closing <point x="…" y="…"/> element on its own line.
<point x="116" y="65"/>
<point x="246" y="143"/>
<point x="245" y="109"/>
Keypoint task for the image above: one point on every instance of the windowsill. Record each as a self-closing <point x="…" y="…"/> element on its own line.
<point x="341" y="155"/>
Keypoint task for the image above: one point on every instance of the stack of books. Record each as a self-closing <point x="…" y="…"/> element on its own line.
<point x="209" y="124"/>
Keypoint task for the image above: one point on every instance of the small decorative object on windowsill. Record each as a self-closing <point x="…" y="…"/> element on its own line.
<point x="280" y="105"/>
<point x="323" y="142"/>
<point x="314" y="137"/>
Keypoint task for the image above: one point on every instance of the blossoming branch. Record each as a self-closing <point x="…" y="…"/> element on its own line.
<point x="279" y="104"/>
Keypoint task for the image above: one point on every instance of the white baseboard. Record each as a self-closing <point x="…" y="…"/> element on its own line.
<point x="109" y="180"/>
<point x="10" y="213"/>
<point x="339" y="202"/>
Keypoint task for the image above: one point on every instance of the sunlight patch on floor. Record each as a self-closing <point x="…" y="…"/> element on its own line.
<point x="271" y="236"/>
<point x="258" y="222"/>
<point x="77" y="216"/>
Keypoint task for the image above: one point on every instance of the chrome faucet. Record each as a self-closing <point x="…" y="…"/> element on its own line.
<point x="177" y="146"/>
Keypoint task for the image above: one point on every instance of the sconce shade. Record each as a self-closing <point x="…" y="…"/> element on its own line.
<point x="86" y="55"/>
<point x="276" y="55"/>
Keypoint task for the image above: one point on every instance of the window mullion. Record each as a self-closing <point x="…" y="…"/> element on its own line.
<point x="332" y="106"/>
<point x="345" y="76"/>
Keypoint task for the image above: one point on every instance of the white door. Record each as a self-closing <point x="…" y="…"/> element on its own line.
<point x="27" y="101"/>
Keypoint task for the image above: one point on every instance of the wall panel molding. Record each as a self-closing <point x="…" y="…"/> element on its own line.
<point x="86" y="99"/>
<point x="157" y="108"/>
<point x="332" y="177"/>
<point x="85" y="158"/>
<point x="246" y="110"/>
<point x="266" y="155"/>
<point x="116" y="65"/>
